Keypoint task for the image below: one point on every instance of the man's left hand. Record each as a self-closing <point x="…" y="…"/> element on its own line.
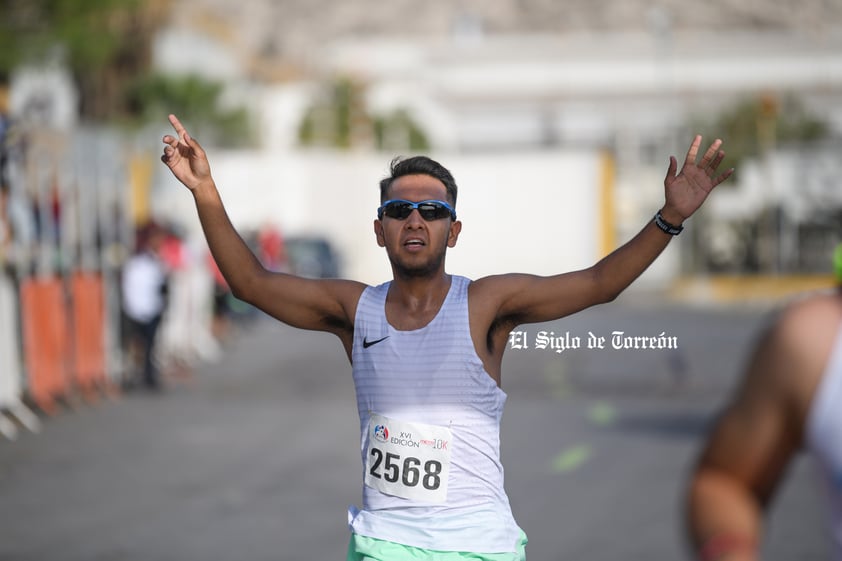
<point x="686" y="191"/>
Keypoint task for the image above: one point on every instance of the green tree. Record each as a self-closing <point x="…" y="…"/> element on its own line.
<point x="107" y="45"/>
<point x="197" y="103"/>
<point x="755" y="125"/>
<point x="340" y="120"/>
<point x="398" y="131"/>
<point x="103" y="42"/>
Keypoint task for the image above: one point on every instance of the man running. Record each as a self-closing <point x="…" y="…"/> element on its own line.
<point x="788" y="400"/>
<point x="426" y="348"/>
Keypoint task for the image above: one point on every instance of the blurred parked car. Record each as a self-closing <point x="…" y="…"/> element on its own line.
<point x="312" y="256"/>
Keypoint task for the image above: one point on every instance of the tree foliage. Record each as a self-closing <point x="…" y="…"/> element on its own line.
<point x="753" y="126"/>
<point x="102" y="42"/>
<point x="340" y="119"/>
<point x="197" y="102"/>
<point x="107" y="46"/>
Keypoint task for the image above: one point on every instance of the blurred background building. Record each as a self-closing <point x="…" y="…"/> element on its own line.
<point x="582" y="101"/>
<point x="556" y="118"/>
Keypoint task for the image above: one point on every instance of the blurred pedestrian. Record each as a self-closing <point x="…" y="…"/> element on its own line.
<point x="174" y="350"/>
<point x="19" y="231"/>
<point x="272" y="250"/>
<point x="221" y="304"/>
<point x="427" y="347"/>
<point x="790" y="399"/>
<point x="145" y="291"/>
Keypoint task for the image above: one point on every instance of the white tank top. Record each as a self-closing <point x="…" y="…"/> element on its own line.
<point x="824" y="440"/>
<point x="447" y="483"/>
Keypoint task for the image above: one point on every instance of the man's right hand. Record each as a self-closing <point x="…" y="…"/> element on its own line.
<point x="185" y="157"/>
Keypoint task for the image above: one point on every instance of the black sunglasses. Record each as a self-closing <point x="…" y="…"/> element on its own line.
<point x="429" y="210"/>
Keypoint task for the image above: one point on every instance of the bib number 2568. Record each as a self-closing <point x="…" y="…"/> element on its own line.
<point x="409" y="473"/>
<point x="409" y="460"/>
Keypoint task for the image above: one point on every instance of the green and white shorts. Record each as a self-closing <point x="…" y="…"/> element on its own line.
<point x="362" y="548"/>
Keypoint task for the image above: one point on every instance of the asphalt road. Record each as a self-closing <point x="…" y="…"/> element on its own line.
<point x="256" y="457"/>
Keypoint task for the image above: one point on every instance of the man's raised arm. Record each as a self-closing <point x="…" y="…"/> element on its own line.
<point x="325" y="305"/>
<point x="745" y="457"/>
<point x="531" y="299"/>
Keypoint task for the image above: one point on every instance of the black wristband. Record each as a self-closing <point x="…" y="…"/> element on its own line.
<point x="666" y="226"/>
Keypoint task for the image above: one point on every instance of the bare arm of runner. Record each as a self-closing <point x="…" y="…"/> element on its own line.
<point x="750" y="447"/>
<point x="318" y="304"/>
<point x="514" y="299"/>
<point x="745" y="456"/>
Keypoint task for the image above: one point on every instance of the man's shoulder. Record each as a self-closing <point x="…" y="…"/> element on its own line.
<point x="490" y="298"/>
<point x="803" y="321"/>
<point x="501" y="282"/>
<point x="798" y="344"/>
<point x="346" y="288"/>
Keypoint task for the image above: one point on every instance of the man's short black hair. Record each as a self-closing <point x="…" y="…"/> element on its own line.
<point x="418" y="165"/>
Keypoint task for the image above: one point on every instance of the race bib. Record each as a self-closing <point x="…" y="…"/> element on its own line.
<point x="408" y="460"/>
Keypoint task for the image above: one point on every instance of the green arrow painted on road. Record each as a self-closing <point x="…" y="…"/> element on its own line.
<point x="571" y="458"/>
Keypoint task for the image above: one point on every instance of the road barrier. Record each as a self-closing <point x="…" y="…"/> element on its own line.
<point x="88" y="333"/>
<point x="45" y="341"/>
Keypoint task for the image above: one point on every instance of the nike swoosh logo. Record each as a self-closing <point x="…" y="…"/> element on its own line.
<point x="367" y="344"/>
